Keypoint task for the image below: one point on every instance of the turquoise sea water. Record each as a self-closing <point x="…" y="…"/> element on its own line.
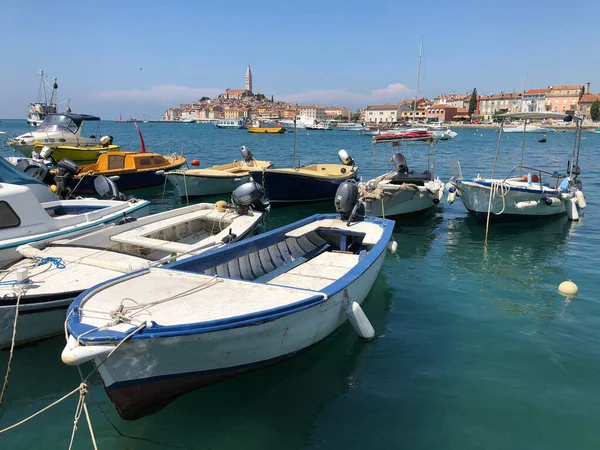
<point x="474" y="349"/>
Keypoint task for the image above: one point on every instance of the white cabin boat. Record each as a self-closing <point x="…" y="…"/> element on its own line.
<point x="60" y="271"/>
<point x="403" y="192"/>
<point x="526" y="128"/>
<point x="57" y="129"/>
<point x="228" y="311"/>
<point x="352" y="127"/>
<point x="230" y="123"/>
<point x="26" y="220"/>
<point x="525" y="193"/>
<point x="40" y="109"/>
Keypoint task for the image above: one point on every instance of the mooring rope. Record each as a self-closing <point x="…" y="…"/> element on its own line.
<point x="12" y="344"/>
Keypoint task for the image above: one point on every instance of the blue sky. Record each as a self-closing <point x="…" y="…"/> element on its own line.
<point x="136" y="58"/>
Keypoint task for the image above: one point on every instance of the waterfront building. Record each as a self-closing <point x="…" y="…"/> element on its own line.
<point x="443" y="112"/>
<point x="331" y="112"/>
<point x="534" y="100"/>
<point x="585" y="103"/>
<point x="407" y="112"/>
<point x="172" y="114"/>
<point x="564" y="98"/>
<point x="215" y="112"/>
<point x="505" y="102"/>
<point x="316" y="112"/>
<point x="382" y="113"/>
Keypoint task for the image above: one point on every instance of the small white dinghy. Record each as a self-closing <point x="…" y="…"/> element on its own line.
<point x="26" y="220"/>
<point x="51" y="275"/>
<point x="228" y="311"/>
<point x="403" y="192"/>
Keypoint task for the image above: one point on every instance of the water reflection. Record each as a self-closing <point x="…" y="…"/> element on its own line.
<point x="415" y="235"/>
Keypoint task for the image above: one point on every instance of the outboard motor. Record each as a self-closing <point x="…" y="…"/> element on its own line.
<point x="65" y="169"/>
<point x="247" y="154"/>
<point x="35" y="170"/>
<point x="346" y="201"/>
<point x="399" y="162"/>
<point x="345" y="158"/>
<point x="107" y="189"/>
<point x="106" y="141"/>
<point x="250" y="195"/>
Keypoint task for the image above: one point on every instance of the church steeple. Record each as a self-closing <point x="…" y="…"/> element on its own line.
<point x="248" y="79"/>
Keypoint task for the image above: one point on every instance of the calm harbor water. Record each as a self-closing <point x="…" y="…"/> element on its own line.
<point x="475" y="349"/>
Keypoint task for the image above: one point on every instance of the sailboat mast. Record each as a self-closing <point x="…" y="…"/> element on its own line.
<point x="43" y="87"/>
<point x="54" y="88"/>
<point x="418" y="77"/>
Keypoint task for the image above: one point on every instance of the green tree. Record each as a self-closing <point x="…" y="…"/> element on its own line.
<point x="356" y="116"/>
<point x="260" y="97"/>
<point x="204" y="99"/>
<point x="595" y="111"/>
<point x="473" y="103"/>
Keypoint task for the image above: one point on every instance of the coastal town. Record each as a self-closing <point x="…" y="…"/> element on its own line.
<point x="471" y="107"/>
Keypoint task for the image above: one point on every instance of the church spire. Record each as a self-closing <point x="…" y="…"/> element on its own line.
<point x="248" y="79"/>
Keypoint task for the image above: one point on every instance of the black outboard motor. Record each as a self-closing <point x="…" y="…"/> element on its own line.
<point x="399" y="162"/>
<point x="247" y="154"/>
<point x="65" y="169"/>
<point x="250" y="195"/>
<point x="107" y="189"/>
<point x="35" y="170"/>
<point x="346" y="201"/>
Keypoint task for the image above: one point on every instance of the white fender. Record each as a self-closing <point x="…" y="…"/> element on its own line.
<point x="451" y="194"/>
<point x="580" y="199"/>
<point x="360" y="323"/>
<point x="75" y="354"/>
<point x="552" y="202"/>
<point x="392" y="246"/>
<point x="440" y="194"/>
<point x="525" y="205"/>
<point x="571" y="207"/>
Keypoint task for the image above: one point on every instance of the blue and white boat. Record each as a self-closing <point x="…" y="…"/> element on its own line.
<point x="230" y="123"/>
<point x="525" y="193"/>
<point x="25" y="219"/>
<point x="228" y="311"/>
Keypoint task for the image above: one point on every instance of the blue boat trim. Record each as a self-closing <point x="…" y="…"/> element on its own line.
<point x="113" y="217"/>
<point x="215" y="257"/>
<point x="517" y="189"/>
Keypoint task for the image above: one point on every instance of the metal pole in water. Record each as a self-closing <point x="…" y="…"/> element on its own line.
<point x="294" y="165"/>
<point x="523" y="147"/>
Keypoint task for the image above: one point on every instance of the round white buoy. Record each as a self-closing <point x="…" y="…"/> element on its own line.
<point x="568" y="288"/>
<point x="571" y="207"/>
<point x="359" y="321"/>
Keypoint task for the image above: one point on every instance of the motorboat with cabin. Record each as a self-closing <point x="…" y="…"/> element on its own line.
<point x="403" y="192"/>
<point x="230" y="123"/>
<point x="320" y="126"/>
<point x="216" y="179"/>
<point x="257" y="127"/>
<point x="50" y="275"/>
<point x="524" y="193"/>
<point x="57" y="129"/>
<point x="228" y="311"/>
<point x="526" y="128"/>
<point x="25" y="219"/>
<point x="352" y="127"/>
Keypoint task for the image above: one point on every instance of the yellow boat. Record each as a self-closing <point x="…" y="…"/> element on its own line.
<point x="79" y="154"/>
<point x="269" y="130"/>
<point x="132" y="170"/>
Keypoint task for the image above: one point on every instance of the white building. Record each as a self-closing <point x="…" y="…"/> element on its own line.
<point x="316" y="112"/>
<point x="382" y="113"/>
<point x="534" y="100"/>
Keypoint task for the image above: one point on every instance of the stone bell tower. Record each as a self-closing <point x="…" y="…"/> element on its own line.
<point x="248" y="79"/>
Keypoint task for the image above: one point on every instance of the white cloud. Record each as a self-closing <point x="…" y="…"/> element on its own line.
<point x="390" y="94"/>
<point x="163" y="93"/>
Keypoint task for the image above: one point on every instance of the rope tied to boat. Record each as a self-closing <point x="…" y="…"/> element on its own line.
<point x="40" y="261"/>
<point x="19" y="290"/>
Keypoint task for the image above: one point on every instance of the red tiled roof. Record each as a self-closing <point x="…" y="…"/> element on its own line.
<point x="589" y="98"/>
<point x="537" y="91"/>
<point x="442" y="106"/>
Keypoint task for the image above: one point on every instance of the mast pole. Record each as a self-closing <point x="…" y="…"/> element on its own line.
<point x="295" y="116"/>
<point x="523" y="146"/>
<point x="43" y="86"/>
<point x="418" y="77"/>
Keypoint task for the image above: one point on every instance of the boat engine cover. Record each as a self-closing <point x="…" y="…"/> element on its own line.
<point x="67" y="167"/>
<point x="400" y="163"/>
<point x="246" y="154"/>
<point x="346" y="198"/>
<point x="106" y="188"/>
<point x="250" y="195"/>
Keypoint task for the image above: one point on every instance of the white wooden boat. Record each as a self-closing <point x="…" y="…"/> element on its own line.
<point x="216" y="179"/>
<point x="525" y="193"/>
<point x="226" y="312"/>
<point x="403" y="192"/>
<point x="26" y="220"/>
<point x="58" y="272"/>
<point x="57" y="129"/>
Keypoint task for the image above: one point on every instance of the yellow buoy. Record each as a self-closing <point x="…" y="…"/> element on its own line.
<point x="220" y="205"/>
<point x="53" y="188"/>
<point x="568" y="288"/>
<point x="37" y="144"/>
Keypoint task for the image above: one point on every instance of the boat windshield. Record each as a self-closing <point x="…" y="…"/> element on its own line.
<point x="58" y="123"/>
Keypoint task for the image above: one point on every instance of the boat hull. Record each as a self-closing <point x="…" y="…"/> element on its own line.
<point x="196" y="186"/>
<point x="266" y="130"/>
<point x="126" y="181"/>
<point x="204" y="359"/>
<point x="8" y="252"/>
<point x="476" y="199"/>
<point x="289" y="187"/>
<point x="398" y="203"/>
